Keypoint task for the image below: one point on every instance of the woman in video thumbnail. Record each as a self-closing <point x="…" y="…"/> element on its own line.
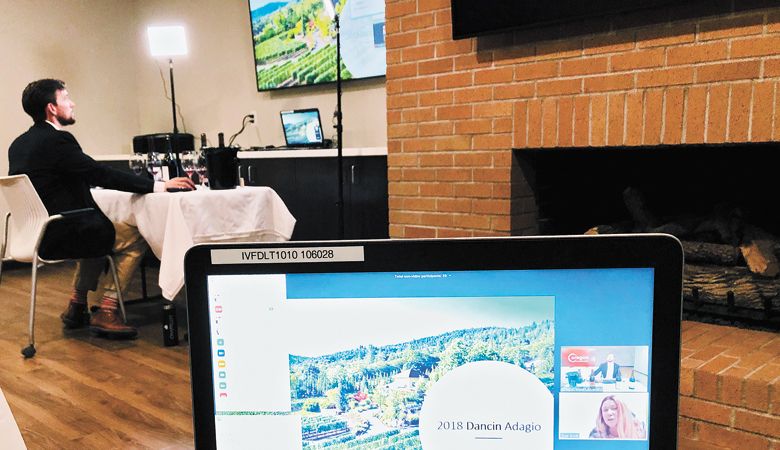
<point x="616" y="421"/>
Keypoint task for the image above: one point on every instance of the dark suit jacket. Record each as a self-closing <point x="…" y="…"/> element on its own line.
<point x="603" y="371"/>
<point x="62" y="175"/>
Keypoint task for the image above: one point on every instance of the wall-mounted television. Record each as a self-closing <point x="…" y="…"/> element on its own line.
<point x="472" y="18"/>
<point x="294" y="41"/>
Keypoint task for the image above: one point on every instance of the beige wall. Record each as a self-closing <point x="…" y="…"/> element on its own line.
<point x="87" y="43"/>
<point x="99" y="48"/>
<point x="215" y="83"/>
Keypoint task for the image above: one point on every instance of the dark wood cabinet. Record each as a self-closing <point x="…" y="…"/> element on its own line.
<point x="365" y="197"/>
<point x="309" y="188"/>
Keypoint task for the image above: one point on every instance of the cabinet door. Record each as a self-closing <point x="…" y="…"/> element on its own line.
<point x="278" y="174"/>
<point x="317" y="190"/>
<point x="365" y="197"/>
<point x="308" y="186"/>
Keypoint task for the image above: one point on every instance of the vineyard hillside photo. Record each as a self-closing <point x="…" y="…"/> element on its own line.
<point x="295" y="41"/>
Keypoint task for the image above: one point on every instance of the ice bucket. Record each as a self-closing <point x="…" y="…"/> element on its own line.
<point x="222" y="166"/>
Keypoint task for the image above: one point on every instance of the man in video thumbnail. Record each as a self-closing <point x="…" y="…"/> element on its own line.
<point x="609" y="370"/>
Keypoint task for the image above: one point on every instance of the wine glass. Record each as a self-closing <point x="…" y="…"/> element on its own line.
<point x="137" y="163"/>
<point x="189" y="163"/>
<point x="200" y="168"/>
<point x="154" y="166"/>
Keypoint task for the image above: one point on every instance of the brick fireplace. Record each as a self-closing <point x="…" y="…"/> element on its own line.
<point x="457" y="109"/>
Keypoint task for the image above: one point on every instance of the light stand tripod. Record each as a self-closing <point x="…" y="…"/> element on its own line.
<point x="330" y="10"/>
<point x="169" y="41"/>
<point x="175" y="137"/>
<point x="339" y="131"/>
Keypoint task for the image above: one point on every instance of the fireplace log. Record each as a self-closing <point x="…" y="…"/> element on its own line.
<point x="758" y="250"/>
<point x="679" y="229"/>
<point x="635" y="203"/>
<point x="615" y="228"/>
<point x="726" y="223"/>
<point x="712" y="284"/>
<point x="708" y="253"/>
<point x="600" y="229"/>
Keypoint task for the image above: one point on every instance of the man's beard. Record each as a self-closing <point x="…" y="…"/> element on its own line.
<point x="66" y="120"/>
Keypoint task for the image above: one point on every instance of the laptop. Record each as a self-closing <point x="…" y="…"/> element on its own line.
<point x="445" y="344"/>
<point x="302" y="128"/>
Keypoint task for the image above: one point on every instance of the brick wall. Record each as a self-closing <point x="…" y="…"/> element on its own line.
<point x="456" y="108"/>
<point x="729" y="388"/>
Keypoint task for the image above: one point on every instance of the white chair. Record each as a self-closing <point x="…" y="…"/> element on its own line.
<point x="25" y="226"/>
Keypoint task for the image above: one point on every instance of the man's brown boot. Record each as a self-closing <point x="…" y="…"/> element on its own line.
<point x="76" y="315"/>
<point x="106" y="322"/>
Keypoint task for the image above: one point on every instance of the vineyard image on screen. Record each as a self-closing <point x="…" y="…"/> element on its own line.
<point x="294" y="41"/>
<point x="302" y="128"/>
<point x="375" y="392"/>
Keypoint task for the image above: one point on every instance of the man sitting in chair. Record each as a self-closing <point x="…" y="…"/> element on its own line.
<point x="62" y="175"/>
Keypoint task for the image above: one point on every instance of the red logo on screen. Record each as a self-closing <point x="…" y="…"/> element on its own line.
<point x="578" y="357"/>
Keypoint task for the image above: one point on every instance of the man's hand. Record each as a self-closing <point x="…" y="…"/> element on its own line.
<point x="180" y="183"/>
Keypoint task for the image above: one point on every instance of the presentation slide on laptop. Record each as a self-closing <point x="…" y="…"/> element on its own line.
<point x="541" y="359"/>
<point x="302" y="127"/>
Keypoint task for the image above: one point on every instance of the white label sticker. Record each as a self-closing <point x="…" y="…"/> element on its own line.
<point x="287" y="255"/>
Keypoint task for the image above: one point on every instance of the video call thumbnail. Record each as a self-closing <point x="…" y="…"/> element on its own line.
<point x="604" y="369"/>
<point x="585" y="415"/>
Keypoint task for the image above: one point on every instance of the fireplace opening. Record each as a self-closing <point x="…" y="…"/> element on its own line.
<point x="719" y="200"/>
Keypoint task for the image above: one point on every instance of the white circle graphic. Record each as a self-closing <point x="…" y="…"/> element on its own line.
<point x="487" y="405"/>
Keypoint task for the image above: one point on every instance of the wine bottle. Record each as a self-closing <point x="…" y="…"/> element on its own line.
<point x="153" y="161"/>
<point x="201" y="163"/>
<point x="170" y="325"/>
<point x="165" y="171"/>
<point x="174" y="166"/>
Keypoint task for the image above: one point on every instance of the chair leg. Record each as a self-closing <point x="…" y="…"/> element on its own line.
<point x="29" y="351"/>
<point x="119" y="297"/>
<point x="5" y="244"/>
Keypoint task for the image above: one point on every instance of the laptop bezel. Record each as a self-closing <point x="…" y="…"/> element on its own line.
<point x="287" y="143"/>
<point x="662" y="253"/>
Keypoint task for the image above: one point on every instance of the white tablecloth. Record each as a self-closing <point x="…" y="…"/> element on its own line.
<point x="173" y="222"/>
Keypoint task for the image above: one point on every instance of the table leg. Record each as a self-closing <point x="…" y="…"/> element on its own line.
<point x="144" y="293"/>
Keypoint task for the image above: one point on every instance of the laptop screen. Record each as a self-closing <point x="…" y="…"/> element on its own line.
<point x="302" y="128"/>
<point x="452" y="358"/>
